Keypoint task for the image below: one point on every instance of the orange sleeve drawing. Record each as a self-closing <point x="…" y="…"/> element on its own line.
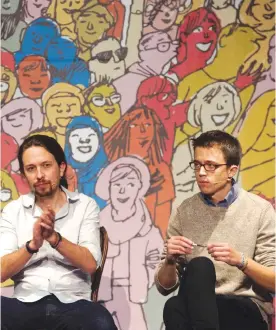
<point x="117" y="10"/>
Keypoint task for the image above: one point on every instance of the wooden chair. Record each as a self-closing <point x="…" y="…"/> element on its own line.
<point x="96" y="280"/>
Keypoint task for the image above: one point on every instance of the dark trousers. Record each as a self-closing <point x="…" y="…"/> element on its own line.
<point x="50" y="314"/>
<point x="197" y="307"/>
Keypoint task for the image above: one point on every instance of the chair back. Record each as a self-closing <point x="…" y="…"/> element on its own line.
<point x="96" y="279"/>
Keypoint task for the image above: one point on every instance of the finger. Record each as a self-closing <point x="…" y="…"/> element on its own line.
<point x="251" y="66"/>
<point x="43" y="217"/>
<point x="50" y="209"/>
<point x="220" y="254"/>
<point x="47" y="220"/>
<point x="49" y="215"/>
<point x="180" y="244"/>
<point x="186" y="240"/>
<point x="223" y="259"/>
<point x="241" y="69"/>
<point x="219" y="249"/>
<point x="179" y="251"/>
<point x="50" y="212"/>
<point x="44" y="225"/>
<point x="259" y="70"/>
<point x="181" y="248"/>
<point x="261" y="78"/>
<point x="182" y="239"/>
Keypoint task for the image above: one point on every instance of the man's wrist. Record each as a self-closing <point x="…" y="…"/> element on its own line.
<point x="243" y="263"/>
<point x="52" y="240"/>
<point x="57" y="241"/>
<point x="31" y="247"/>
<point x="170" y="260"/>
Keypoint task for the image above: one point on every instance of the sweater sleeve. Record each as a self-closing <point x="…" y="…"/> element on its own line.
<point x="265" y="245"/>
<point x="174" y="229"/>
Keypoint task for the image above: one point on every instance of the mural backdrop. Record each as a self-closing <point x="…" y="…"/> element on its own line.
<point x="123" y="85"/>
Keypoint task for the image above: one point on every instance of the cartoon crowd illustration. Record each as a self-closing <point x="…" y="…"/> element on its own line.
<point x="123" y="86"/>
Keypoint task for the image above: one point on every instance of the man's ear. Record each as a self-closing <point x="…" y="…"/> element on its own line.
<point x="233" y="171"/>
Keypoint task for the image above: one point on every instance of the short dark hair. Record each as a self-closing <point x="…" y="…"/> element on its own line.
<point x="229" y="145"/>
<point x="48" y="143"/>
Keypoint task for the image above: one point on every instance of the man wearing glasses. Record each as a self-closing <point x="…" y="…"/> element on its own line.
<point x="220" y="247"/>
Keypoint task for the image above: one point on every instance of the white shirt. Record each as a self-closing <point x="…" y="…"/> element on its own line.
<point x="48" y="272"/>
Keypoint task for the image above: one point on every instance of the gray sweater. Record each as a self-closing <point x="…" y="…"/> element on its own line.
<point x="247" y="225"/>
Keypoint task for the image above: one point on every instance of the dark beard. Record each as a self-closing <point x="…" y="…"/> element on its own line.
<point x="9" y="24"/>
<point x="47" y="194"/>
<point x="50" y="191"/>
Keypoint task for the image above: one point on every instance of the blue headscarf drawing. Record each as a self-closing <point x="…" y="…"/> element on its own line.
<point x="64" y="63"/>
<point x="37" y="38"/>
<point x="84" y="151"/>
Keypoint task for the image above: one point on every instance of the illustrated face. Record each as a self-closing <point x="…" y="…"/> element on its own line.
<point x="165" y="17"/>
<point x="20" y="120"/>
<point x="124" y="191"/>
<point x="141" y="135"/>
<point x="218" y="112"/>
<point x="161" y="101"/>
<point x="37" y="38"/>
<point x="65" y="9"/>
<point x="42" y="171"/>
<point x="211" y="183"/>
<point x="9" y="7"/>
<point x="33" y="81"/>
<point x="202" y="41"/>
<point x="108" y="59"/>
<point x="69" y="6"/>
<point x="264" y="12"/>
<point x="8" y="85"/>
<point x="84" y="144"/>
<point x="37" y="8"/>
<point x="61" y="110"/>
<point x="159" y="47"/>
<point x="104" y="105"/>
<point x="91" y="27"/>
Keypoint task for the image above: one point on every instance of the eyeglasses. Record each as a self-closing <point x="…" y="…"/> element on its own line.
<point x="105" y="57"/>
<point x="100" y="100"/>
<point x="209" y="167"/>
<point x="164" y="46"/>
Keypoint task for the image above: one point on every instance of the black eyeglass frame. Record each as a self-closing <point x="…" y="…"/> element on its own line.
<point x="212" y="169"/>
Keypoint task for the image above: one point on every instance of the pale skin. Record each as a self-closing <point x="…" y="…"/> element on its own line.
<point x="220" y="251"/>
<point x="41" y="166"/>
